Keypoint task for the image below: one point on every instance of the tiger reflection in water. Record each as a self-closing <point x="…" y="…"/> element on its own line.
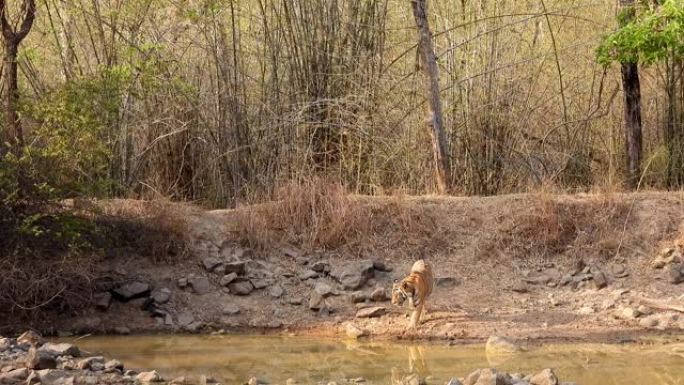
<point x="417" y="368"/>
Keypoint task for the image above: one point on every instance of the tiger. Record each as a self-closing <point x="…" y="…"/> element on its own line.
<point x="416" y="287"/>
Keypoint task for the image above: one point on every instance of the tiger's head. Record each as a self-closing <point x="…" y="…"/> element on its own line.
<point x="400" y="292"/>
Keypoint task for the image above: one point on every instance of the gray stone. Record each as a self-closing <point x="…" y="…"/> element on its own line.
<point x="231" y="309"/>
<point x="5" y="344"/>
<point x="29" y="337"/>
<point x="379" y="295"/>
<point x="381" y="266"/>
<point x="148" y="377"/>
<point x="237" y="267"/>
<point x="102" y="300"/>
<point x="320" y="266"/>
<point x="371" y="312"/>
<point x="132" y="290"/>
<point x="353" y="331"/>
<point x="60" y="349"/>
<point x="275" y="291"/>
<point x="519" y="287"/>
<point x="291" y="252"/>
<point x="359" y="296"/>
<point x="37" y="359"/>
<point x="454" y="381"/>
<point x="15" y="376"/>
<point x="316" y="301"/>
<point x="91" y="363"/>
<point x="485" y="377"/>
<point x="182" y="283"/>
<point x="200" y="285"/>
<point x="123" y="330"/>
<point x="114" y="365"/>
<point x="241" y="287"/>
<point x="307" y="274"/>
<point x="324" y="289"/>
<point x="185" y="318"/>
<point x="566" y="279"/>
<point x="545" y="377"/>
<point x="55" y="377"/>
<point x="228" y="278"/>
<point x="600" y="280"/>
<point x="354" y="274"/>
<point x="259" y="283"/>
<point x="676" y="273"/>
<point x="161" y="296"/>
<point x="446" y="282"/>
<point x="630" y="313"/>
<point x="295" y="301"/>
<point x="211" y="263"/>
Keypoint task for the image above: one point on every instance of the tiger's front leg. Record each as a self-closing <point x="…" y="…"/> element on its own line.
<point x="415" y="317"/>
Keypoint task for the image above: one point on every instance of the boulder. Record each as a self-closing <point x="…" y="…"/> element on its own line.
<point x="149" y="377"/>
<point x="497" y="345"/>
<point x="132" y="290"/>
<point x="114" y="365"/>
<point x="123" y="330"/>
<point x="381" y="266"/>
<point x="36" y="359"/>
<point x="353" y="331"/>
<point x="354" y="274"/>
<point x="600" y="280"/>
<point x="324" y="289"/>
<point x="316" y="300"/>
<point x="55" y="377"/>
<point x="185" y="319"/>
<point x="630" y="313"/>
<point x="320" y="267"/>
<point x="60" y="349"/>
<point x="371" y="312"/>
<point x="485" y="377"/>
<point x="102" y="300"/>
<point x="379" y="295"/>
<point x="237" y="267"/>
<point x="161" y="296"/>
<point x="676" y="273"/>
<point x="446" y="282"/>
<point x="519" y="287"/>
<point x="30" y="337"/>
<point x="227" y="279"/>
<point x="241" y="287"/>
<point x="307" y="274"/>
<point x="231" y="309"/>
<point x="91" y="363"/>
<point x="667" y="256"/>
<point x="200" y="285"/>
<point x="5" y="344"/>
<point x="259" y="283"/>
<point x="275" y="291"/>
<point x="545" y="377"/>
<point x="211" y="263"/>
<point x="359" y="296"/>
<point x="454" y="381"/>
<point x="182" y="283"/>
<point x="15" y="376"/>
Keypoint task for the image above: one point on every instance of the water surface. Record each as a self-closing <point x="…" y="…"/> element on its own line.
<point x="233" y="359"/>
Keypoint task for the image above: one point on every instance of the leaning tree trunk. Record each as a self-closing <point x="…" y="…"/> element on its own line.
<point x="632" y="97"/>
<point x="12" y="39"/>
<point x="435" y="121"/>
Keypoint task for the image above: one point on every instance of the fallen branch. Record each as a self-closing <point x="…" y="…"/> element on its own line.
<point x="660" y="305"/>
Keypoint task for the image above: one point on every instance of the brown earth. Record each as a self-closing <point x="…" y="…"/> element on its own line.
<point x="485" y="247"/>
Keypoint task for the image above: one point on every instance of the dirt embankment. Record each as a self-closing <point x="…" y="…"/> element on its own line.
<point x="527" y="266"/>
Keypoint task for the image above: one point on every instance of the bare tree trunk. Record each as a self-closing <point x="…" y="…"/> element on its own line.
<point x="440" y="146"/>
<point x="632" y="97"/>
<point x="12" y="40"/>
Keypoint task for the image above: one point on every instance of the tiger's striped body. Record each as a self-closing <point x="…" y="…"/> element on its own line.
<point x="416" y="287"/>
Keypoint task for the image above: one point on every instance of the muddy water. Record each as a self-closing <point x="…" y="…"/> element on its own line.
<point x="233" y="359"/>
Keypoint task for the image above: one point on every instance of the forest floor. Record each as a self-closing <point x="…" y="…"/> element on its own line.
<point x="528" y="266"/>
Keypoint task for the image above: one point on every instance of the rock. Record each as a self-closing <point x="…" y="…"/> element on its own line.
<point x="123" y="330"/>
<point x="290" y="381"/>
<point x="324" y="289"/>
<point x="178" y="381"/>
<point x="211" y="263"/>
<point x="182" y="283"/>
<point x="359" y="296"/>
<point x="60" y="349"/>
<point x="446" y="282"/>
<point x="370" y="312"/>
<point x="276" y="291"/>
<point x="161" y="296"/>
<point x="132" y="290"/>
<point x="545" y="377"/>
<point x="600" y="280"/>
<point x="241" y="287"/>
<point x="645" y="310"/>
<point x="55" y="377"/>
<point x="291" y="252"/>
<point x="259" y="283"/>
<point x="114" y="365"/>
<point x="237" y="267"/>
<point x="519" y="287"/>
<point x="667" y="256"/>
<point x="566" y="280"/>
<point x="354" y="274"/>
<point x="454" y="381"/>
<point x="15" y="376"/>
<point x="497" y="345"/>
<point x="535" y="278"/>
<point x="185" y="318"/>
<point x="295" y="301"/>
<point x="630" y="313"/>
<point x="200" y="285"/>
<point x="676" y="273"/>
<point x="485" y="377"/>
<point x="5" y="344"/>
<point x="320" y="266"/>
<point x="648" y="322"/>
<point x="619" y="271"/>
<point x="91" y="363"/>
<point x="148" y="377"/>
<point x="316" y="300"/>
<point x="231" y="309"/>
<point x="381" y="266"/>
<point x="586" y="310"/>
<point x="379" y="295"/>
<point x="102" y="300"/>
<point x="36" y="359"/>
<point x="353" y="331"/>
<point x="227" y="279"/>
<point x="307" y="274"/>
<point x="30" y="337"/>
